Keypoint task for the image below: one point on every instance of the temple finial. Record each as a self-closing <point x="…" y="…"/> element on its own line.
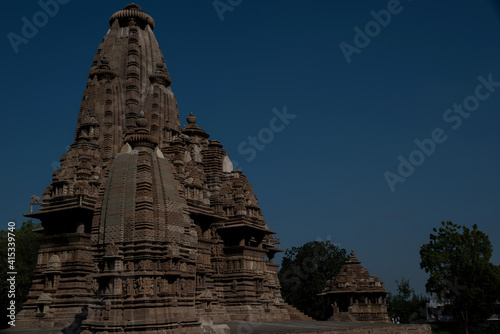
<point x="132" y="12"/>
<point x="191" y="119"/>
<point x="132" y="6"/>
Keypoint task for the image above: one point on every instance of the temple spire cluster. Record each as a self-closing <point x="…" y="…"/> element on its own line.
<point x="147" y="227"/>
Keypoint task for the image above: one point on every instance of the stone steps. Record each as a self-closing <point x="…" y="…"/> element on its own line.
<point x="295" y="314"/>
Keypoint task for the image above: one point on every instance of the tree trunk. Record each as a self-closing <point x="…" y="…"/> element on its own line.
<point x="466" y="321"/>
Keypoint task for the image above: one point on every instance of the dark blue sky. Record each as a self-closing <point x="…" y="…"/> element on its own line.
<point x="321" y="177"/>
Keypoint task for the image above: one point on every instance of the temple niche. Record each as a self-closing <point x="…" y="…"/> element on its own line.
<point x="147" y="228"/>
<point x="355" y="295"/>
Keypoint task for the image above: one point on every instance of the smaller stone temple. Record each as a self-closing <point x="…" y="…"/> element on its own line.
<point x="355" y="295"/>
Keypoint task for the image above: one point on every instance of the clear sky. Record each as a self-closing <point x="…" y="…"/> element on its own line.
<point x="361" y="92"/>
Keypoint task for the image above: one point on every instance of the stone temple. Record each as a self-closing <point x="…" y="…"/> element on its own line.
<point x="147" y="228"/>
<point x="355" y="295"/>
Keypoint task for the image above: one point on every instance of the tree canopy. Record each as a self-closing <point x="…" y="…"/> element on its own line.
<point x="406" y="304"/>
<point x="26" y="250"/>
<point x="304" y="272"/>
<point x="457" y="260"/>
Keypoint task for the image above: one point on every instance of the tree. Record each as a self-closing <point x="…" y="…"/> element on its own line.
<point x="304" y="272"/>
<point x="400" y="304"/>
<point x="26" y="250"/>
<point x="457" y="260"/>
<point x="406" y="304"/>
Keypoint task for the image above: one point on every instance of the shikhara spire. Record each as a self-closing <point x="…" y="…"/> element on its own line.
<point x="147" y="227"/>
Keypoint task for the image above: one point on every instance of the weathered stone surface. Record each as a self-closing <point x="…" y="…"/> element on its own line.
<point x="355" y="295"/>
<point x="146" y="226"/>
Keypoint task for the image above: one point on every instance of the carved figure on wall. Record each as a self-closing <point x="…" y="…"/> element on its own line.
<point x="129" y="284"/>
<point x="217" y="250"/>
<point x="175" y="287"/>
<point x="189" y="286"/>
<point x="109" y="287"/>
<point x="164" y="286"/>
<point x="125" y="288"/>
<point x="48" y="283"/>
<point x="35" y="200"/>
<point x="54" y="262"/>
<point x="112" y="249"/>
<point x="277" y="241"/>
<point x="94" y="286"/>
<point x="145" y="286"/>
<point x="130" y="266"/>
<point x="182" y="286"/>
<point x="157" y="286"/>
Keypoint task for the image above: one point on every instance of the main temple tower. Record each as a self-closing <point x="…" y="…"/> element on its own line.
<point x="146" y="226"/>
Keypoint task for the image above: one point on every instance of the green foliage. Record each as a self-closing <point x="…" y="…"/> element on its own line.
<point x="400" y="305"/>
<point x="457" y="260"/>
<point x="418" y="304"/>
<point x="404" y="289"/>
<point x="406" y="305"/>
<point x="303" y="275"/>
<point x="26" y="251"/>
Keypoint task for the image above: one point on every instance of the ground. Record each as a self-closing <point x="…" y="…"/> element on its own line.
<point x="242" y="327"/>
